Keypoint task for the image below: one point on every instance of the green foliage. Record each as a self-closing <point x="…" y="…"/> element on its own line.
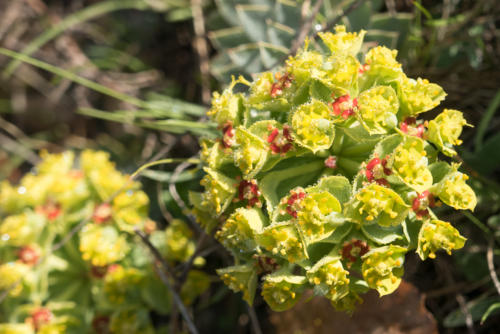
<point x="295" y="210"/>
<point x="252" y="37"/>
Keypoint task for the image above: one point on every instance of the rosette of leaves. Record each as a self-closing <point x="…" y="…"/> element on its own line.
<point x="102" y="278"/>
<point x="324" y="176"/>
<point x="251" y="37"/>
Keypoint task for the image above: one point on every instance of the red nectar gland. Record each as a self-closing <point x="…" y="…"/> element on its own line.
<point x="102" y="213"/>
<point x="280" y="142"/>
<point x="422" y="202"/>
<point x="353" y="250"/>
<point x="376" y="170"/>
<point x="249" y="191"/>
<point x="28" y="255"/>
<point x="283" y="82"/>
<point x="409" y="126"/>
<point x="40" y="317"/>
<point x="344" y="106"/>
<point x="228" y="132"/>
<point x="294" y="202"/>
<point x="50" y="210"/>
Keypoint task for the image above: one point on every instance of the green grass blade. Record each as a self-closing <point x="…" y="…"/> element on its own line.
<point x="73" y="77"/>
<point x="163" y="162"/>
<point x="169" y="125"/>
<point x="485" y="121"/>
<point x="83" y="15"/>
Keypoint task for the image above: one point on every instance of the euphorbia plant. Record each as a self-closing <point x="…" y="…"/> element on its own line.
<point x="324" y="175"/>
<point x="69" y="260"/>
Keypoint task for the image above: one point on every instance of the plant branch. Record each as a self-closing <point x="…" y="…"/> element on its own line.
<point x="491" y="266"/>
<point x="201" y="47"/>
<point x="305" y="28"/>
<point x="335" y="21"/>
<point x="163" y="271"/>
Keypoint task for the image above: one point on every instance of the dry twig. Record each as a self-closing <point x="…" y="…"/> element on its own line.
<point x="491" y="266"/>
<point x="163" y="271"/>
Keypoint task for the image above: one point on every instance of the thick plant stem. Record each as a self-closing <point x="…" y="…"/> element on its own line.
<point x="350" y="166"/>
<point x="359" y="149"/>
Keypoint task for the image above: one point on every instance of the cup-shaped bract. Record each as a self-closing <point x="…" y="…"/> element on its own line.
<point x="324" y="176"/>
<point x="435" y="235"/>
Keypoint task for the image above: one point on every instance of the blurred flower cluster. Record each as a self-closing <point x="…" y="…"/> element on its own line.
<point x="324" y="175"/>
<point x="56" y="277"/>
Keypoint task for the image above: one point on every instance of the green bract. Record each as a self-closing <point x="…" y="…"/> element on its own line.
<point x="323" y="177"/>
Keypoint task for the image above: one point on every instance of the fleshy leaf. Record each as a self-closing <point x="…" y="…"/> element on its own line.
<point x="382" y="235"/>
<point x="336" y="185"/>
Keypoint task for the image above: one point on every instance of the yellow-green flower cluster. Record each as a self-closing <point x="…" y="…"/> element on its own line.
<point x="324" y="176"/>
<point x="68" y="249"/>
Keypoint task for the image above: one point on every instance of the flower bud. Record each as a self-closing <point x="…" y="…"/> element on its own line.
<point x="227" y="107"/>
<point x="11" y="276"/>
<point x="179" y="241"/>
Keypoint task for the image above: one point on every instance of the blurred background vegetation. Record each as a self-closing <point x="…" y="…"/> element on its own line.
<point x="166" y="57"/>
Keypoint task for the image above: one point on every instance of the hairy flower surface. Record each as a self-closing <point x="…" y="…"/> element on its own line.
<point x="327" y="177"/>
